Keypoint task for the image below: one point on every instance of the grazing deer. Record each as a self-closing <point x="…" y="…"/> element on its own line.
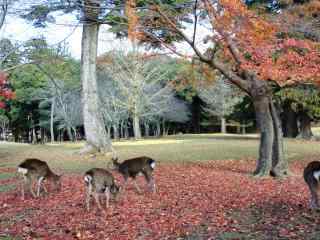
<point x="35" y="169"/>
<point x="99" y="181"/>
<point x="311" y="176"/>
<point x="135" y="166"/>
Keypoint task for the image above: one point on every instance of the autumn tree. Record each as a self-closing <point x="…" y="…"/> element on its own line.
<point x="250" y="52"/>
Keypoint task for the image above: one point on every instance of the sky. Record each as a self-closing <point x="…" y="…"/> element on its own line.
<point x="66" y="28"/>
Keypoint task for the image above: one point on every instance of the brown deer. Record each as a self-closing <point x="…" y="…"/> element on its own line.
<point x="311" y="175"/>
<point x="135" y="166"/>
<point x="99" y="181"/>
<point x="35" y="169"/>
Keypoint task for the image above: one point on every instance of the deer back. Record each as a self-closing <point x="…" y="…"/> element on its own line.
<point x="136" y="165"/>
<point x="100" y="178"/>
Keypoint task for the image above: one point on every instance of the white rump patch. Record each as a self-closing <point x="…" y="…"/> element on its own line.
<point x="153" y="164"/>
<point x="24" y="171"/>
<point x="87" y="178"/>
<point x="316" y="175"/>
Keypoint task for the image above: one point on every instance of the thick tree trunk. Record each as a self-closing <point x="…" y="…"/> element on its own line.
<point x="96" y="136"/>
<point x="271" y="159"/>
<point x="223" y="125"/>
<point x="305" y="126"/>
<point x="265" y="125"/>
<point x="136" y="127"/>
<point x="289" y="121"/>
<point x="53" y="102"/>
<point x="279" y="163"/>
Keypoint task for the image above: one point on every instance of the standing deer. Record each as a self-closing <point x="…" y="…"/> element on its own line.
<point x="135" y="166"/>
<point x="99" y="181"/>
<point x="311" y="175"/>
<point x="35" y="169"/>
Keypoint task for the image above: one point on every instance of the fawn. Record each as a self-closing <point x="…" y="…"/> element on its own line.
<point x="135" y="166"/>
<point x="99" y="181"/>
<point x="311" y="175"/>
<point x="35" y="169"/>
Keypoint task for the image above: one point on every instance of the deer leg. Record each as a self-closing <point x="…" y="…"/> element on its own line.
<point x="152" y="185"/>
<point x="314" y="196"/>
<point x="23" y="185"/>
<point x="150" y="181"/>
<point x="44" y="188"/>
<point x="96" y="197"/>
<point x="125" y="181"/>
<point x="89" y="192"/>
<point x="39" y="185"/>
<point x="107" y="193"/>
<point x="29" y="183"/>
<point x="136" y="185"/>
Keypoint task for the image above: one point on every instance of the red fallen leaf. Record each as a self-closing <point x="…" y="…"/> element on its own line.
<point x="209" y="194"/>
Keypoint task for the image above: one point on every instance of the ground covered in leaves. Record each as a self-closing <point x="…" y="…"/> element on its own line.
<point x="212" y="200"/>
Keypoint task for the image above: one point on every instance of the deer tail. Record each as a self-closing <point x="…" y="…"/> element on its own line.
<point x="152" y="163"/>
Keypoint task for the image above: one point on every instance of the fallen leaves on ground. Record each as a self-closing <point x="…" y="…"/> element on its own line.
<point x="217" y="200"/>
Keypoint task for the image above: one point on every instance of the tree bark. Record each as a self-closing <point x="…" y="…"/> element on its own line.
<point x="271" y="159"/>
<point x="195" y="114"/>
<point x="289" y="121"/>
<point x="223" y="125"/>
<point x="53" y="102"/>
<point x="70" y="135"/>
<point x="96" y="135"/>
<point x="136" y="126"/>
<point x="146" y="129"/>
<point x="115" y="131"/>
<point x="305" y="126"/>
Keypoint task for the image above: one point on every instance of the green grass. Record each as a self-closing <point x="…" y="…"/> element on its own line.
<point x="179" y="148"/>
<point x="7" y="187"/>
<point x="6" y="175"/>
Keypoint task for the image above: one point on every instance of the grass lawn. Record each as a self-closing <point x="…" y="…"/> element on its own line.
<point x="182" y="149"/>
<point x="194" y="201"/>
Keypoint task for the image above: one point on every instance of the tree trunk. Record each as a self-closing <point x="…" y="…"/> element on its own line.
<point x="34" y="136"/>
<point x="53" y="102"/>
<point x="195" y="114"/>
<point x="279" y="164"/>
<point x="305" y="126"/>
<point x="136" y="127"/>
<point x="96" y="136"/>
<point x="158" y="129"/>
<point x="69" y="132"/>
<point x="223" y="125"/>
<point x="289" y="121"/>
<point x="163" y="128"/>
<point x="146" y="129"/>
<point x="271" y="158"/>
<point x="115" y="131"/>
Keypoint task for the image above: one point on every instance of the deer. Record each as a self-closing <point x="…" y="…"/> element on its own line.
<point x="35" y="169"/>
<point x="311" y="175"/>
<point x="99" y="181"/>
<point x="134" y="167"/>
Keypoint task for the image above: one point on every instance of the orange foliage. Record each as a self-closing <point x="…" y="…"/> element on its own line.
<point x="133" y="33"/>
<point x="261" y="50"/>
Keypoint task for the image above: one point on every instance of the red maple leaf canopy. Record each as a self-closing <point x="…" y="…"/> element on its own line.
<point x="263" y="45"/>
